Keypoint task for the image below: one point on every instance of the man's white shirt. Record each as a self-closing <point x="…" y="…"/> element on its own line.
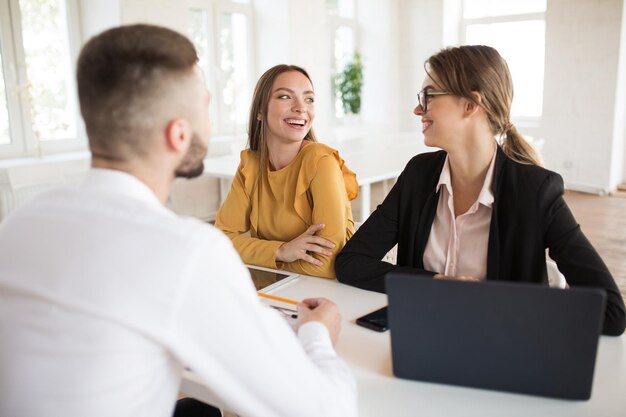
<point x="106" y="295"/>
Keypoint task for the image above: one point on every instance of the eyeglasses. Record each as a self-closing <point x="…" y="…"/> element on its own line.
<point x="424" y="96"/>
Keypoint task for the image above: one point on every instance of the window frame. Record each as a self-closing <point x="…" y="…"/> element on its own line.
<point x="214" y="9"/>
<point x="16" y="100"/>
<point x="23" y="140"/>
<point x="209" y="73"/>
<point x="227" y="6"/>
<point x="335" y="22"/>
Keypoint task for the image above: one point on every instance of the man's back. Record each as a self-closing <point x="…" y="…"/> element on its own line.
<point x="72" y="265"/>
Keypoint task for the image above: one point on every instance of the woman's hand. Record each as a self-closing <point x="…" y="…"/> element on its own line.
<point x="306" y="242"/>
<point x="457" y="278"/>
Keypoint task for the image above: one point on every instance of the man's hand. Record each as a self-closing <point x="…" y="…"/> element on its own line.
<point x="322" y="310"/>
<point x="306" y="242"/>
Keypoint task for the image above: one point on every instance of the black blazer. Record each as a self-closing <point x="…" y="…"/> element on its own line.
<point x="529" y="215"/>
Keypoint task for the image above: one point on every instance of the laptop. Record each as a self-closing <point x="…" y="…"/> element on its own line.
<point x="515" y="337"/>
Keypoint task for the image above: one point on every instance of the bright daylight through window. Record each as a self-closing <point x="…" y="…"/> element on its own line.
<point x="47" y="50"/>
<point x="224" y="53"/>
<point x="38" y="104"/>
<point x="517" y="30"/>
<point x="343" y="30"/>
<point x="233" y="63"/>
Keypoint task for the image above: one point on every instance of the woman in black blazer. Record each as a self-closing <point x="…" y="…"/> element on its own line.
<point x="465" y="110"/>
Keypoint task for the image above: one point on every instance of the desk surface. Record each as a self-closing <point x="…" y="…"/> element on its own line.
<point x="381" y="394"/>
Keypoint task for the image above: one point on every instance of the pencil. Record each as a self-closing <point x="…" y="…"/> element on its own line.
<point x="275" y="297"/>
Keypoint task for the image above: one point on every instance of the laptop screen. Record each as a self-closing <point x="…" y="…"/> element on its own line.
<point x="515" y="337"/>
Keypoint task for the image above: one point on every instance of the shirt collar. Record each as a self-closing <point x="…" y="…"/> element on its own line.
<point x="485" y="197"/>
<point x="121" y="183"/>
<point x="444" y="177"/>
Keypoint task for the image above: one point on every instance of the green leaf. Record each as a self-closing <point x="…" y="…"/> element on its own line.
<point x="348" y="84"/>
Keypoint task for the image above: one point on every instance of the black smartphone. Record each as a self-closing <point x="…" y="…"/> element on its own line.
<point x="376" y="320"/>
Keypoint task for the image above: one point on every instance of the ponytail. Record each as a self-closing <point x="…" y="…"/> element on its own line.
<point x="519" y="149"/>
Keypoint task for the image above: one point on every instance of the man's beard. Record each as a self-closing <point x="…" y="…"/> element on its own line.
<point x="192" y="165"/>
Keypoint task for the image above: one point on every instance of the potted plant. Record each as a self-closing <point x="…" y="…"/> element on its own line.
<point x="348" y="84"/>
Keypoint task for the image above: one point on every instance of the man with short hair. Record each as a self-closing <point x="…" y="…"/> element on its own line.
<point x="106" y="295"/>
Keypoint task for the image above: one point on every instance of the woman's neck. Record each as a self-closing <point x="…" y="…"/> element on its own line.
<point x="282" y="154"/>
<point x="469" y="165"/>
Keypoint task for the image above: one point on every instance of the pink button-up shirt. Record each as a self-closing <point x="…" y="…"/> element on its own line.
<point x="458" y="246"/>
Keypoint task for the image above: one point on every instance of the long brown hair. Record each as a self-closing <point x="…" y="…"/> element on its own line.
<point x="465" y="69"/>
<point x="260" y="101"/>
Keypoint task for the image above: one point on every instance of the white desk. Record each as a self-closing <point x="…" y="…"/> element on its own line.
<point x="372" y="161"/>
<point x="381" y="394"/>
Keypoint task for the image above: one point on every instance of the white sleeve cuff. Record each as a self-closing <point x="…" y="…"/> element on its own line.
<point x="314" y="336"/>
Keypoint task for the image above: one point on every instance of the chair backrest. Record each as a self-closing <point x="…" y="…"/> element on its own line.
<point x="555" y="277"/>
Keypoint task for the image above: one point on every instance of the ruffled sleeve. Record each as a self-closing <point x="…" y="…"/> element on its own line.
<point x="312" y="155"/>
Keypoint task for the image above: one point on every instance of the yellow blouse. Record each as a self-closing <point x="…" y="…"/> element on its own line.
<point x="314" y="188"/>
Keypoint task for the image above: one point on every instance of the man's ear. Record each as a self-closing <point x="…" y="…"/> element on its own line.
<point x="178" y="134"/>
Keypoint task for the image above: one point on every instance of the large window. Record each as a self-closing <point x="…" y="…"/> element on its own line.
<point x="343" y="28"/>
<point x="517" y="30"/>
<point x="38" y="106"/>
<point x="221" y="31"/>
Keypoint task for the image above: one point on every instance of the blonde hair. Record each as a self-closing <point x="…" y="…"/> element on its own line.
<point x="477" y="68"/>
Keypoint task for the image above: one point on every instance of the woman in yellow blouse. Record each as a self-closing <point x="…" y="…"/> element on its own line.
<point x="291" y="193"/>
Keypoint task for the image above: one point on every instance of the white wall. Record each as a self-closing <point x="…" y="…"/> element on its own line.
<point x="420" y="35"/>
<point x="97" y="16"/>
<point x="582" y="63"/>
<point x="379" y="45"/>
<point x="168" y="13"/>
<point x="271" y="37"/>
<point x="620" y="108"/>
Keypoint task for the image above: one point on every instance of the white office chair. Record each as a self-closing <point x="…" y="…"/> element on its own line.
<point x="555" y="277"/>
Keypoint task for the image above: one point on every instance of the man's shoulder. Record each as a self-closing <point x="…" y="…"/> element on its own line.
<point x="196" y="229"/>
<point x="111" y="213"/>
<point x="41" y="202"/>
